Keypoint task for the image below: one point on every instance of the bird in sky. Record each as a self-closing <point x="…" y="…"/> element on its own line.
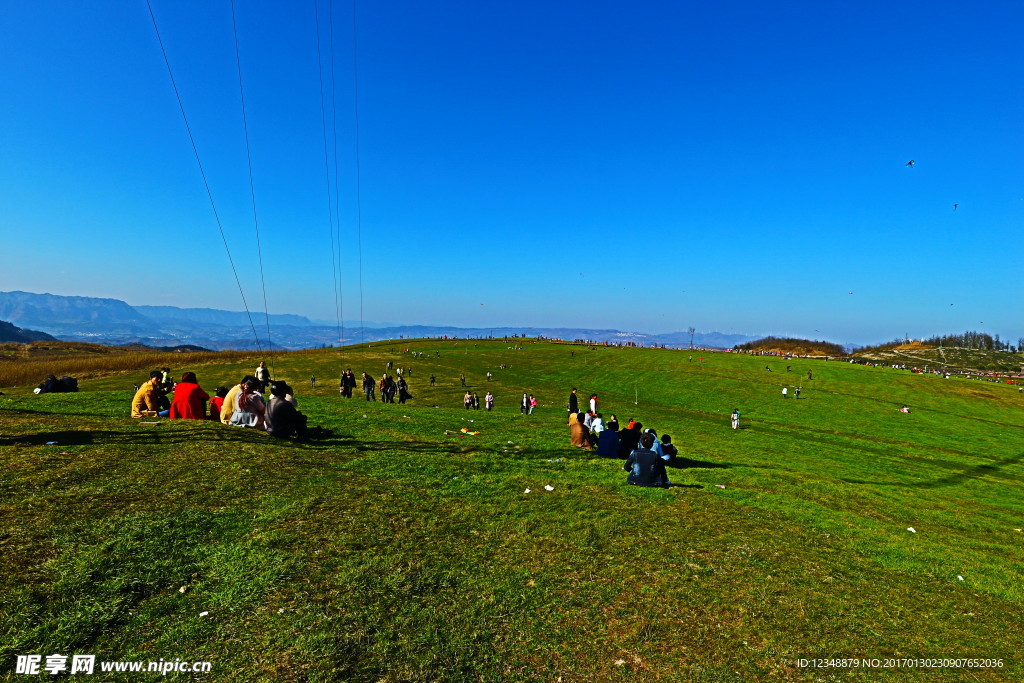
<point x="954" y="206"/>
<point x="910" y="163"/>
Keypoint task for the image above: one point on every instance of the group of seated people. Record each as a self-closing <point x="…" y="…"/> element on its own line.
<point x="243" y="405"/>
<point x="645" y="453"/>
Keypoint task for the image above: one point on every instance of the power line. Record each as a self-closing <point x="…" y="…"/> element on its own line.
<point x="202" y="172"/>
<point x="359" y="180"/>
<point x="327" y="169"/>
<point x="337" y="194"/>
<point x="252" y="185"/>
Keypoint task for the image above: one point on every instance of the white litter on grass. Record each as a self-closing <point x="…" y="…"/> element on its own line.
<point x="364" y="416"/>
<point x="51" y="443"/>
<point x="959" y="577"/>
<point x="911" y="529"/>
<point x="509" y="442"/>
<point x="527" y="491"/>
<point x="721" y="486"/>
<point x="549" y="487"/>
<point x="203" y="614"/>
<point x="183" y="589"/>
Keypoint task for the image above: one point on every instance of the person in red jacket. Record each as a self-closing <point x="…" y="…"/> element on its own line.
<point x="217" y="402"/>
<point x="189" y="400"/>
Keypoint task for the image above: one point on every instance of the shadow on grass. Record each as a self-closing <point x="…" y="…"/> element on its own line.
<point x="686" y="464"/>
<point x="976" y="472"/>
<point x="165" y="437"/>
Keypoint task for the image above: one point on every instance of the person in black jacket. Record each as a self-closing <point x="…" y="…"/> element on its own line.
<point x="574" y="405"/>
<point x="283" y="420"/>
<point x="629" y="439"/>
<point x="644" y="466"/>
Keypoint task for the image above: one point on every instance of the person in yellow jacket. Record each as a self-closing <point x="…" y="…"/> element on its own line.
<point x="230" y="399"/>
<point x="147" y="399"/>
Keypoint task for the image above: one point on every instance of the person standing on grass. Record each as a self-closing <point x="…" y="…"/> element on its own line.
<point x="263" y="375"/>
<point x="403" y="390"/>
<point x="467" y="400"/>
<point x="735" y="417"/>
<point x="312" y="381"/>
<point x="462" y="378"/>
<point x="593" y="403"/>
<point x="189" y="400"/>
<point x="785" y="392"/>
<point x="476" y="401"/>
<point x="574" y="404"/>
<point x="524" y="405"/>
<point x="433" y="380"/>
<point x="533" y="404"/>
<point x="489" y="401"/>
<point x="368" y="387"/>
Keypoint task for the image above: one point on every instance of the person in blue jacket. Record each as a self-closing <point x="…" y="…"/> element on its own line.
<point x="644" y="466"/>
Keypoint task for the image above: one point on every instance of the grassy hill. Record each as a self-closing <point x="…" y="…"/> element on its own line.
<point x="954" y="359"/>
<point x="402" y="549"/>
<point x="796" y="347"/>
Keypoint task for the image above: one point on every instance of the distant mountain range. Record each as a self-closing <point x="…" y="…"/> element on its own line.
<point x="112" y="321"/>
<point x="10" y="333"/>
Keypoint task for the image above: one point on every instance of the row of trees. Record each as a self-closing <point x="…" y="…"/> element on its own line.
<point x="971" y="339"/>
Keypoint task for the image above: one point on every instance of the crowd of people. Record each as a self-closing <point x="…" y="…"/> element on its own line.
<point x="646" y="454"/>
<point x="243" y="405"/>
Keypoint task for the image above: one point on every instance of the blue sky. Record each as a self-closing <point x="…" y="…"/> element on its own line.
<point x="734" y="166"/>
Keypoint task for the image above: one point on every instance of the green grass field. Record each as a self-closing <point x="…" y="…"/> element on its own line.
<point x="399" y="550"/>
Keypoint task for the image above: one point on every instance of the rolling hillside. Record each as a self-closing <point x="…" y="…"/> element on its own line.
<point x="404" y="548"/>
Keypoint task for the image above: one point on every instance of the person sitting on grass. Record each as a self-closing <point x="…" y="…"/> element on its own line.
<point x="644" y="466"/>
<point x="629" y="439"/>
<point x="217" y="402"/>
<point x="283" y="420"/>
<point x="250" y="410"/>
<point x="189" y="400"/>
<point x="231" y="398"/>
<point x="668" y="449"/>
<point x="656" y="447"/>
<point x="579" y="434"/>
<point x="608" y="443"/>
<point x="147" y="399"/>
